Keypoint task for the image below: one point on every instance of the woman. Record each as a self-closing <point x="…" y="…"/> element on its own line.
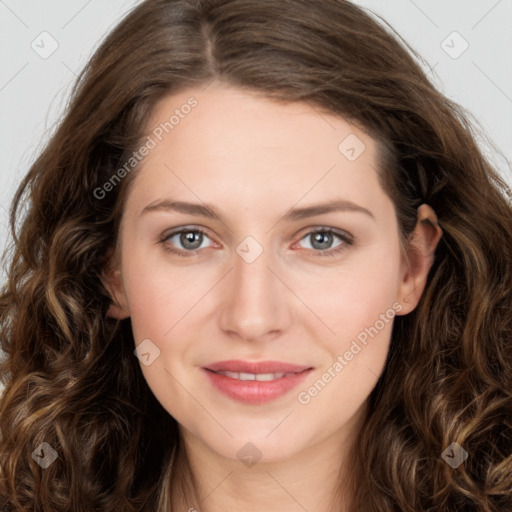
<point x="250" y="371"/>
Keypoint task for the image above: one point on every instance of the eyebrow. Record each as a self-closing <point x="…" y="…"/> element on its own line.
<point x="206" y="210"/>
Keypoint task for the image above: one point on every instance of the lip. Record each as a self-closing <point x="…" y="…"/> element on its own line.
<point x="252" y="391"/>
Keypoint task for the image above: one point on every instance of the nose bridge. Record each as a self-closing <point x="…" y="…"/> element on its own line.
<point x="254" y="304"/>
<point x="251" y="271"/>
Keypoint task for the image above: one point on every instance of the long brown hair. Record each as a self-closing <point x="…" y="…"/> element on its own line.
<point x="71" y="377"/>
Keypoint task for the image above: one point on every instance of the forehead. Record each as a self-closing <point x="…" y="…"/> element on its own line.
<point x="235" y="146"/>
<point x="220" y="112"/>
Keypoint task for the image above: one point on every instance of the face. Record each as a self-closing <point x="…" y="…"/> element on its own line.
<point x="260" y="275"/>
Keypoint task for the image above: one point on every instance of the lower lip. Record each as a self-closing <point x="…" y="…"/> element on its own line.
<point x="255" y="392"/>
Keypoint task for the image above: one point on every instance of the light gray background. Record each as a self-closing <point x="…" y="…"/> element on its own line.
<point x="34" y="90"/>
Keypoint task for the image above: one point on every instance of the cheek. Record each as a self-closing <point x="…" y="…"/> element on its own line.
<point x="163" y="303"/>
<point x="353" y="298"/>
<point x="358" y="305"/>
<point x="159" y="296"/>
<point x="361" y="316"/>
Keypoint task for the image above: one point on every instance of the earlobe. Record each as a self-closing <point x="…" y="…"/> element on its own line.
<point x="420" y="257"/>
<point x="111" y="278"/>
<point x="115" y="311"/>
<point x="119" y="308"/>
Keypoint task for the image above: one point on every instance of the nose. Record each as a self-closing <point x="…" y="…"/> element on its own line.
<point x="256" y="301"/>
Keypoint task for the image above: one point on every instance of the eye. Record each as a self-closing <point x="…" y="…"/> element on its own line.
<point x="322" y="239"/>
<point x="191" y="239"/>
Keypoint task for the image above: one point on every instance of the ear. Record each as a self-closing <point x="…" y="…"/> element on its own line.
<point x="111" y="279"/>
<point x="419" y="258"/>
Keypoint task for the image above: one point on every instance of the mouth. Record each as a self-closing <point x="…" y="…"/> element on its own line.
<point x="260" y="377"/>
<point x="255" y="382"/>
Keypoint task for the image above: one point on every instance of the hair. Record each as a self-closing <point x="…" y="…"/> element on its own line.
<point x="71" y="378"/>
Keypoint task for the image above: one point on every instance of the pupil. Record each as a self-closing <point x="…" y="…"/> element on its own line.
<point x="325" y="237"/>
<point x="189" y="237"/>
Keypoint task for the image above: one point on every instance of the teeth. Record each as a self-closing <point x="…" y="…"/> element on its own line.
<point x="254" y="376"/>
<point x="268" y="376"/>
<point x="233" y="375"/>
<point x="247" y="376"/>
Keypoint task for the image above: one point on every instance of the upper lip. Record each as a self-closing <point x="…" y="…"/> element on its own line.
<point x="239" y="366"/>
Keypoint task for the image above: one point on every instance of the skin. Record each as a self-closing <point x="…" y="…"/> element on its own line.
<point x="252" y="160"/>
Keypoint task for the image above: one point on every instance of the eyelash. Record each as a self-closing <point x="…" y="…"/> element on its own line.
<point x="347" y="239"/>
